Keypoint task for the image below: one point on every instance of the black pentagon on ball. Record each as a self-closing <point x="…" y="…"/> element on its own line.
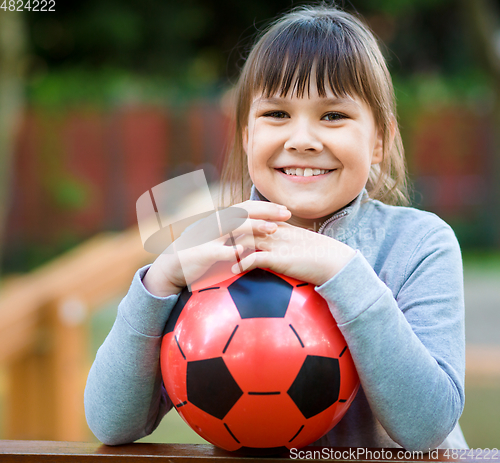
<point x="316" y="386"/>
<point x="261" y="294"/>
<point x="211" y="387"/>
<point x="176" y="311"/>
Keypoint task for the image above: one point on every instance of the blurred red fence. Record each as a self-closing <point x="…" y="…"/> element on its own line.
<point x="81" y="172"/>
<point x="451" y="157"/>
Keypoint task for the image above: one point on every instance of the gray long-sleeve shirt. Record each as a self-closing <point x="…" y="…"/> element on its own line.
<point x="398" y="303"/>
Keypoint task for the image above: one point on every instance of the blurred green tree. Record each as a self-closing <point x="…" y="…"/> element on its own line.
<point x="483" y="20"/>
<point x="111" y="51"/>
<point x="12" y="44"/>
<point x="201" y="43"/>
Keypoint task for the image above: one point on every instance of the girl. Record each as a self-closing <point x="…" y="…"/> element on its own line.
<point x="318" y="151"/>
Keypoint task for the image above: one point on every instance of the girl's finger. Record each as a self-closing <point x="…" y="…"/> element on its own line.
<point x="250" y="226"/>
<point x="248" y="231"/>
<point x="247" y="263"/>
<point x="224" y="253"/>
<point x="265" y="210"/>
<point x="254" y="260"/>
<point x="256" y="227"/>
<point x="254" y="243"/>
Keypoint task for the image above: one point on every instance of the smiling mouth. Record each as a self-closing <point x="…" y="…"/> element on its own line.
<point x="307" y="172"/>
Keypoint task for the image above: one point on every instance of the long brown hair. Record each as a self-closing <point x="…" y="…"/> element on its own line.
<point x="347" y="58"/>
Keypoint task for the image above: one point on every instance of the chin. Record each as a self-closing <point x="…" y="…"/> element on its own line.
<point x="307" y="214"/>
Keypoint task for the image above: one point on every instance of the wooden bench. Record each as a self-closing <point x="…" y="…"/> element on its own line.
<point x="75" y="452"/>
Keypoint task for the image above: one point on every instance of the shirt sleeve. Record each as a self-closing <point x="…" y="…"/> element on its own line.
<point x="408" y="347"/>
<point x="124" y="397"/>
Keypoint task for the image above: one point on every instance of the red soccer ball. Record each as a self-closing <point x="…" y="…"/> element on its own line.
<point x="257" y="362"/>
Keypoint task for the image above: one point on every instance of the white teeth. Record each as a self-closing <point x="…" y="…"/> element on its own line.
<point x="307" y="172"/>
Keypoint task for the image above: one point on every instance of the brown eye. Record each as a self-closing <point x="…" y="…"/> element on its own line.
<point x="276" y="114"/>
<point x="333" y="117"/>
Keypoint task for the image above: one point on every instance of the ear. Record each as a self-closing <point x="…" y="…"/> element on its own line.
<point x="378" y="150"/>
<point x="244" y="137"/>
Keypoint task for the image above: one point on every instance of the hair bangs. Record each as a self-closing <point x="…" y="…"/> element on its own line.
<point x="292" y="59"/>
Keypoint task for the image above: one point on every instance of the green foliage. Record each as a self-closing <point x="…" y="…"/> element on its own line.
<point x="106" y="87"/>
<point x="164" y="52"/>
<point x="114" y="25"/>
<point x="434" y="90"/>
<point x="486" y="260"/>
<point x="69" y="193"/>
<point x="114" y="52"/>
<point x="399" y="7"/>
<point x="24" y="257"/>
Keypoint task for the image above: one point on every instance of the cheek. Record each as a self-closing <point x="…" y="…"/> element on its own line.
<point x="260" y="136"/>
<point x="360" y="148"/>
<point x="258" y="147"/>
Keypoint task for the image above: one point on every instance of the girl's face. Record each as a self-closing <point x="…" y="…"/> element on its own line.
<point x="312" y="154"/>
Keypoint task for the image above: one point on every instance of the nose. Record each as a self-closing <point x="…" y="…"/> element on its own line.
<point x="302" y="139"/>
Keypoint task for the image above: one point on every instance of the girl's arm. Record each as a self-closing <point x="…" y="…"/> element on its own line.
<point x="124" y="397"/>
<point x="408" y="346"/>
<point x="404" y="327"/>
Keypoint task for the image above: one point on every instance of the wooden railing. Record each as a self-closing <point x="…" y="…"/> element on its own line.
<point x="43" y="334"/>
<point x="76" y="452"/>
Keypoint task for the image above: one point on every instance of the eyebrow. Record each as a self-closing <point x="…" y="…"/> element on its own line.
<point x="326" y="101"/>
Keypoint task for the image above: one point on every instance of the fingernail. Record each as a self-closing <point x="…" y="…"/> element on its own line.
<point x="281" y="206"/>
<point x="263" y="228"/>
<point x="270" y="226"/>
<point x="284" y="213"/>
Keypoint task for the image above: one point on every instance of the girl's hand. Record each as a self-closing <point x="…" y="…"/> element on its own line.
<point x="297" y="253"/>
<point x="166" y="276"/>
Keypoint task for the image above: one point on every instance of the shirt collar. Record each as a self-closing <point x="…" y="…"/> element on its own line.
<point x="344" y="223"/>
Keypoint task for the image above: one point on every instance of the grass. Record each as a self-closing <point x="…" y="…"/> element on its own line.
<point x="480" y="420"/>
<point x="482" y="261"/>
<point x="173" y="429"/>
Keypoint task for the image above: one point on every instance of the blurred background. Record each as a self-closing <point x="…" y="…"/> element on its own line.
<point x="102" y="100"/>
